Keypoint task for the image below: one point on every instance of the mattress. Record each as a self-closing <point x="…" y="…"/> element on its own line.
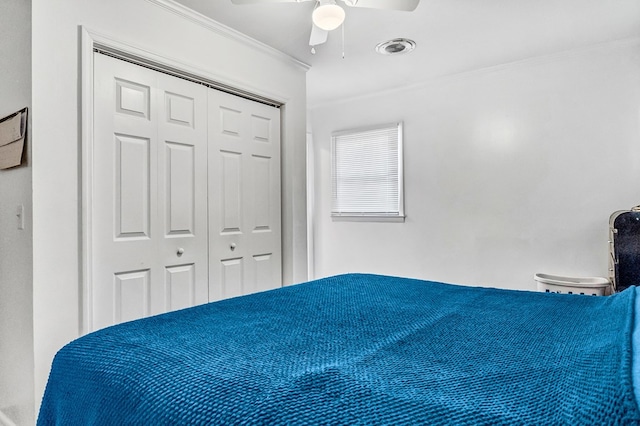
<point x="359" y="349"/>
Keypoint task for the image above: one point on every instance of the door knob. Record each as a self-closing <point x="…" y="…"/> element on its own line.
<point x="180" y="251"/>
<point x="232" y="246"/>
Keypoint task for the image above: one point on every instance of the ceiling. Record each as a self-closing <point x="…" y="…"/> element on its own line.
<point x="452" y="36"/>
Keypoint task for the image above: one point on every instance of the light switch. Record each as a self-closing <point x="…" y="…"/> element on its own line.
<point x="20" y="216"/>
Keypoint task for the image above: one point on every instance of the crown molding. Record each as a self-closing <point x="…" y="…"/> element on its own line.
<point x="212" y="25"/>
<point x="452" y="77"/>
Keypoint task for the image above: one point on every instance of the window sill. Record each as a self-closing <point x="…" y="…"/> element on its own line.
<point x="362" y="218"/>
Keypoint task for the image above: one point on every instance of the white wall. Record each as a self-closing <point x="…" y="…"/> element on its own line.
<point x="16" y="332"/>
<point x="56" y="170"/>
<point x="509" y="171"/>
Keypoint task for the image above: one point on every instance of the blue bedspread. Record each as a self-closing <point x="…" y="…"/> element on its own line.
<point x="357" y="349"/>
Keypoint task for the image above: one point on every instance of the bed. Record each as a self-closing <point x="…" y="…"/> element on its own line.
<point x="359" y="349"/>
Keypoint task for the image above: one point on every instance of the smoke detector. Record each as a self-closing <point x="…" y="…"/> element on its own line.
<point x="395" y="46"/>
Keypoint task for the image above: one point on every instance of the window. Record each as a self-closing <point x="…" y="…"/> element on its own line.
<point x="367" y="174"/>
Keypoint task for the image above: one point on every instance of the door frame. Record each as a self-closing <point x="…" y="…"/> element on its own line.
<point x="91" y="40"/>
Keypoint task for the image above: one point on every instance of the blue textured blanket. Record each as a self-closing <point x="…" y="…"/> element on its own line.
<point x="357" y="349"/>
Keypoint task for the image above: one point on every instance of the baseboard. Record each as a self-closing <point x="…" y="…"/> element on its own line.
<point x="5" y="420"/>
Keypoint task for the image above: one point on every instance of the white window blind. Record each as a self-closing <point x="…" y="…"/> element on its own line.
<point x="367" y="173"/>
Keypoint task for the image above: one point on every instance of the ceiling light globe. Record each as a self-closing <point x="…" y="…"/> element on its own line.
<point x="328" y="16"/>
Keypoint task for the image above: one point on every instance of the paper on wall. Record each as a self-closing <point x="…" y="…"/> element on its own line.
<point x="12" y="134"/>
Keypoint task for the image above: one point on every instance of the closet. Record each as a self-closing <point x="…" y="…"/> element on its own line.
<point x="185" y="194"/>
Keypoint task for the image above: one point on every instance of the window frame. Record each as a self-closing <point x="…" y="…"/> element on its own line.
<point x="395" y="216"/>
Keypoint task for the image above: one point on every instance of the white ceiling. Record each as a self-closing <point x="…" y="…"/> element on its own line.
<point x="452" y="36"/>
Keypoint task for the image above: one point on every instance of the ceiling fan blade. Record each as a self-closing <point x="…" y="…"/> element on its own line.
<point x="318" y="36"/>
<point x="266" y="1"/>
<point x="406" y="5"/>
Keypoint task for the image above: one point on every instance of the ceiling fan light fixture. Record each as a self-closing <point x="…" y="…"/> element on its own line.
<point x="328" y="16"/>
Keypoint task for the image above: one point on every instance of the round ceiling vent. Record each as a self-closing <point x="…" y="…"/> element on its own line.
<point x="396" y="46"/>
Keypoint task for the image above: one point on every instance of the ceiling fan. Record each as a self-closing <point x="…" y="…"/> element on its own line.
<point x="328" y="15"/>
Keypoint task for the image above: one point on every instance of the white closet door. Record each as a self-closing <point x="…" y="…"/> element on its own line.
<point x="149" y="211"/>
<point x="244" y="197"/>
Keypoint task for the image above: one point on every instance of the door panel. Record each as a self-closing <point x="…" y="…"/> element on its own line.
<point x="180" y="190"/>
<point x="261" y="176"/>
<point x="244" y="196"/>
<point x="180" y="286"/>
<point x="133" y="192"/>
<point x="264" y="266"/>
<point x="149" y="212"/>
<point x="231" y="278"/>
<point x="133" y="98"/>
<point x="131" y="295"/>
<point x="230" y="178"/>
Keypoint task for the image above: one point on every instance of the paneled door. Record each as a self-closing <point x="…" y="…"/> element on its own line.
<point x="244" y="196"/>
<point x="149" y="193"/>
